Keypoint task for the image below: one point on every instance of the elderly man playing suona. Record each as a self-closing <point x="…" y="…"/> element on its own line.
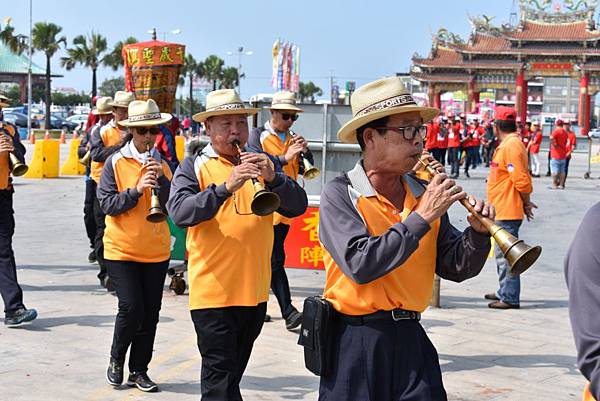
<point x="277" y="139"/>
<point x="385" y="235"/>
<point x="229" y="248"/>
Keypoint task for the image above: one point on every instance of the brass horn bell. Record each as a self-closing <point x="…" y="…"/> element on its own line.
<point x="17" y="168"/>
<point x="310" y="171"/>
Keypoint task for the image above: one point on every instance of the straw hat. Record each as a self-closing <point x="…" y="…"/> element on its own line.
<point x="143" y="113"/>
<point x="223" y="102"/>
<point x="3" y="101"/>
<point x="103" y="106"/>
<point x="378" y="99"/>
<point x="122" y="99"/>
<point x="285" y="101"/>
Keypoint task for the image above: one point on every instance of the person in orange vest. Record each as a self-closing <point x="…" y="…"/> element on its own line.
<point x="582" y="274"/>
<point x="385" y="233"/>
<point x="571" y="145"/>
<point x="454" y="134"/>
<point x="277" y="139"/>
<point x="105" y="140"/>
<point x="558" y="155"/>
<point x="15" y="312"/>
<point x="534" y="149"/>
<point x="509" y="188"/>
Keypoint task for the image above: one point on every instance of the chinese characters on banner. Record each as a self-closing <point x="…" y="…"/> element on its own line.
<point x="302" y="246"/>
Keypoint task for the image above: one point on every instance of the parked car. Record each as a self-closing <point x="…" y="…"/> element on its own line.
<point x="58" y="123"/>
<point x="80" y="120"/>
<point x="594" y="133"/>
<point x="19" y="119"/>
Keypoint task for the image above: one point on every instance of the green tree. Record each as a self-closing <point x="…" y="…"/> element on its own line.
<point x="213" y="69"/>
<point x="188" y="109"/>
<point x="111" y="85"/>
<point x="72" y="99"/>
<point x="230" y="78"/>
<point x="191" y="69"/>
<point x="16" y="43"/>
<point x="114" y="59"/>
<point x="45" y="40"/>
<point x="87" y="52"/>
<point x="308" y="91"/>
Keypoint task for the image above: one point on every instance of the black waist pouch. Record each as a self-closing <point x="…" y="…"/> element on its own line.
<point x="315" y="334"/>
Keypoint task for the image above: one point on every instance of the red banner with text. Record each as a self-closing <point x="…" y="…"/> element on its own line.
<point x="302" y="247"/>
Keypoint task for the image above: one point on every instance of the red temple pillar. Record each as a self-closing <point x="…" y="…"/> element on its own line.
<point x="584" y="105"/>
<point x="521" y="95"/>
<point x="434" y="97"/>
<point x="472" y="97"/>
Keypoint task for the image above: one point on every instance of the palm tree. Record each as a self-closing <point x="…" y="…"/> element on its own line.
<point x="213" y="69"/>
<point x="191" y="69"/>
<point x="15" y="43"/>
<point x="45" y="40"/>
<point x="87" y="52"/>
<point x="230" y="78"/>
<point x="114" y="59"/>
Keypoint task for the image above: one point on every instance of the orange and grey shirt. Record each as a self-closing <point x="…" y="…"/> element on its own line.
<point x="508" y="178"/>
<point x="229" y="248"/>
<point x="11" y="131"/>
<point x="128" y="235"/>
<point x="378" y="257"/>
<point x="105" y="140"/>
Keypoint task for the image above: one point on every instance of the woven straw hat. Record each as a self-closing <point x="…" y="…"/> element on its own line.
<point x="223" y="102"/>
<point x="3" y="101"/>
<point x="122" y="99"/>
<point x="378" y="99"/>
<point x="103" y="106"/>
<point x="285" y="101"/>
<point x="143" y="113"/>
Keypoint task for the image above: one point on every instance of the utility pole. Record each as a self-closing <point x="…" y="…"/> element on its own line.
<point x="331" y="86"/>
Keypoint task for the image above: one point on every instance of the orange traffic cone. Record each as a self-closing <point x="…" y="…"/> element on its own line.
<point x="75" y="135"/>
<point x="47" y="135"/>
<point x="63" y="136"/>
<point x="31" y="137"/>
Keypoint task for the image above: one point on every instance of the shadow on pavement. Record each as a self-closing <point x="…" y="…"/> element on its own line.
<point x="474" y="362"/>
<point x="288" y="387"/>
<point x="454" y="302"/>
<point x="192" y="388"/>
<point x="46" y="324"/>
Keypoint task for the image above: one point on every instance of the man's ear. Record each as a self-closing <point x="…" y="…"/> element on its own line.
<point x="368" y="136"/>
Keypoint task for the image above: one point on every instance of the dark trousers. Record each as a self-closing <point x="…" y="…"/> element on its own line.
<point x="139" y="288"/>
<point x="279" y="281"/>
<point x="382" y="360"/>
<point x="439" y="154"/>
<point x="225" y="339"/>
<point x="11" y="292"/>
<point x="99" y="217"/>
<point x="88" y="211"/>
<point x="568" y="159"/>
<point x="454" y="160"/>
<point x="471" y="154"/>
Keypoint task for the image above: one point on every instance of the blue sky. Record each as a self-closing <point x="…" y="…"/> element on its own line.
<point x="353" y="40"/>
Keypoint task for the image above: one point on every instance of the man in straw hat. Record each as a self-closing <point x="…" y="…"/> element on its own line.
<point x="105" y="141"/>
<point x="103" y="113"/>
<point x="277" y="139"/>
<point x="229" y="248"/>
<point x="385" y="234"/>
<point x="15" y="312"/>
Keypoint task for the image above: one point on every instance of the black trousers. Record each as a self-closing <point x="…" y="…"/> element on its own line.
<point x="139" y="288"/>
<point x="225" y="340"/>
<point x="454" y="160"/>
<point x="11" y="292"/>
<point x="279" y="281"/>
<point x="382" y="360"/>
<point x="568" y="160"/>
<point x="471" y="157"/>
<point x="439" y="154"/>
<point x="88" y="211"/>
<point x="99" y="217"/>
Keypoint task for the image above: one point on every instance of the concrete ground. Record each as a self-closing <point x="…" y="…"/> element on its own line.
<point x="525" y="354"/>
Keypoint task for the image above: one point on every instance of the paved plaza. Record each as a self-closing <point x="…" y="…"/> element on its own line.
<point x="518" y="355"/>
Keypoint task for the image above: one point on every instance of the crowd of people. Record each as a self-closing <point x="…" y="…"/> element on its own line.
<point x="383" y="225"/>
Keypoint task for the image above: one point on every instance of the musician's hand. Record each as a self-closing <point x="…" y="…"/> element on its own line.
<point x="147" y="180"/>
<point x="262" y="162"/>
<point x="240" y="174"/>
<point x="155" y="166"/>
<point x="300" y="140"/>
<point x="483" y="208"/>
<point x="6" y="144"/>
<point x="437" y="166"/>
<point x="294" y="150"/>
<point x="528" y="210"/>
<point x="440" y="194"/>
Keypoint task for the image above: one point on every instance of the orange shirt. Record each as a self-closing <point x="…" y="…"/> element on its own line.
<point x="111" y="136"/>
<point x="4" y="159"/>
<point x="509" y="176"/>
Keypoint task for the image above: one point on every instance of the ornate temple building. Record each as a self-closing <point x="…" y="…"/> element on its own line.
<point x="547" y="41"/>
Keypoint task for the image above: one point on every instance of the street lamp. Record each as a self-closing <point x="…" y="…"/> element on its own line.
<point x="240" y="52"/>
<point x="163" y="33"/>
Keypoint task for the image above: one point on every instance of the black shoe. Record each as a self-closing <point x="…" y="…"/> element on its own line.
<point x="293" y="320"/>
<point x="267" y="317"/>
<point x="114" y="373"/>
<point x="19" y="316"/>
<point x="92" y="257"/>
<point x="548" y="174"/>
<point x="142" y="382"/>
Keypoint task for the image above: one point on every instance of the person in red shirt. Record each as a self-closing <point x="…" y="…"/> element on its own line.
<point x="454" y="131"/>
<point x="571" y="145"/>
<point x="478" y="134"/>
<point x="533" y="147"/>
<point x="466" y="143"/>
<point x="558" y="155"/>
<point x="442" y="140"/>
<point x="431" y="145"/>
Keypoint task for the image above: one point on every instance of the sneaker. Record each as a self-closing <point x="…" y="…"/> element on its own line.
<point x="142" y="382"/>
<point x="293" y="320"/>
<point x="92" y="257"/>
<point x="467" y="174"/>
<point x="19" y="316"/>
<point x="114" y="373"/>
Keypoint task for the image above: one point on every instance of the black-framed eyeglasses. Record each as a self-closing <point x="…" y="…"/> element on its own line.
<point x="409" y="133"/>
<point x="144" y="130"/>
<point x="287" y="116"/>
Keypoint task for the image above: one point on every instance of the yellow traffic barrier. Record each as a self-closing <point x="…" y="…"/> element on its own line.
<point x="45" y="159"/>
<point x="180" y="146"/>
<point x="72" y="165"/>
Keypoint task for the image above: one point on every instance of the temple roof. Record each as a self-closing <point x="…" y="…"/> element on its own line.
<point x="11" y="63"/>
<point x="540" y="32"/>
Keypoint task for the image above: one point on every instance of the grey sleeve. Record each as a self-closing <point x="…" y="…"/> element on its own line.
<point x="582" y="273"/>
<point x="113" y="202"/>
<point x="82" y="148"/>
<point x="99" y="152"/>
<point x="293" y="197"/>
<point x="460" y="255"/>
<point x="253" y="143"/>
<point x="188" y="205"/>
<point x="164" y="187"/>
<point x="362" y="256"/>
